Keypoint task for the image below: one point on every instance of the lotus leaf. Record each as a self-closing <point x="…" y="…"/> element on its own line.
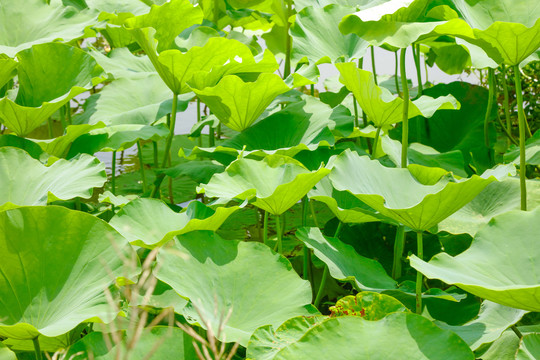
<point x="237" y="104"/>
<point x="60" y="146"/>
<point x="276" y="182"/>
<point x="488" y="326"/>
<point x="418" y="197"/>
<point x="380" y="105"/>
<point x="26" y="181"/>
<point x="121" y="63"/>
<point x="500" y="264"/>
<point x="368" y="305"/>
<point x="6" y="353"/>
<point x="529" y="348"/>
<point x="207" y="269"/>
<point x="532" y="151"/>
<point x="399" y="335"/>
<point x="149" y="223"/>
<point x="39" y="28"/>
<point x="344" y="263"/>
<point x="50" y="75"/>
<point x="124" y="136"/>
<point x="56" y="265"/>
<point x="8" y="69"/>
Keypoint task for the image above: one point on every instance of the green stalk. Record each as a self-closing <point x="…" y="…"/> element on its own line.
<point x="141" y="166"/>
<point x="313" y="214"/>
<point x="50" y="128"/>
<point x="405" y="119"/>
<point x="356" y="124"/>
<point x="312" y="89"/>
<point x="373" y="65"/>
<point x="63" y="118"/>
<point x="491" y="84"/>
<point x="68" y="112"/>
<point x="288" y="42"/>
<point x="419" y="276"/>
<point x="396" y="81"/>
<point x="516" y="331"/>
<point x="199" y="120"/>
<point x="37" y="349"/>
<point x="506" y="102"/>
<point x="211" y="139"/>
<point x="218" y="131"/>
<point x="416" y="53"/>
<point x="375" y="141"/>
<point x="279" y="234"/>
<point x="168" y="144"/>
<point x="171" y="198"/>
<point x="306" y="258"/>
<point x="265" y="228"/>
<point x="155" y="153"/>
<point x="399" y="245"/>
<point x="113" y="173"/>
<point x="522" y="125"/>
<point x="319" y="296"/>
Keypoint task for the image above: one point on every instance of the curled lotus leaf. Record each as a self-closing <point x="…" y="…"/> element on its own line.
<point x="368" y="305"/>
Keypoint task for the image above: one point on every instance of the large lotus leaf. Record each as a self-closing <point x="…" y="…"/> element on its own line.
<point x="48" y="344"/>
<point x="304" y="125"/>
<point x="529" y="348"/>
<point x="344" y="263"/>
<point x="168" y="20"/>
<point x="501" y="264"/>
<point x="380" y="105"/>
<point x="488" y="326"/>
<point x="131" y="101"/>
<point x="121" y="63"/>
<point x="150" y="223"/>
<point x="56" y="265"/>
<point x="368" y="305"/>
<point x="266" y="342"/>
<point x="121" y="137"/>
<point x="60" y="146"/>
<point x="345" y="206"/>
<point x="317" y="37"/>
<point x="26" y="181"/>
<point x="209" y="270"/>
<point x="419" y="197"/>
<point x="49" y="76"/>
<point x="532" y="151"/>
<point x="276" y="182"/>
<point x="237" y="104"/>
<point x="28" y="22"/>
<point x="33" y="149"/>
<point x="119" y="6"/>
<point x="397" y="336"/>
<point x="497" y="198"/>
<point x="157" y="343"/>
<point x="8" y="69"/>
<point x="6" y="353"/>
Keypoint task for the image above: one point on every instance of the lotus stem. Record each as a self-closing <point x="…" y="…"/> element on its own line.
<point x="312" y="89"/>
<point x="522" y="125"/>
<point x="265" y="227"/>
<point x="355" y="105"/>
<point x="375" y="142"/>
<point x="491" y="84"/>
<point x="324" y="277"/>
<point x="68" y="112"/>
<point x="506" y="103"/>
<point x="399" y="245"/>
<point x="218" y="131"/>
<point x="288" y="42"/>
<point x="416" y="55"/>
<point x="419" y="276"/>
<point x="168" y="144"/>
<point x="171" y="195"/>
<point x="211" y="139"/>
<point x="314" y="215"/>
<point x="155" y="144"/>
<point x="516" y="331"/>
<point x="396" y="81"/>
<point x="63" y="118"/>
<point x="279" y="244"/>
<point x="37" y="349"/>
<point x="141" y="166"/>
<point x="50" y="128"/>
<point x="372" y="50"/>
<point x="199" y="120"/>
<point x="405" y="119"/>
<point x="306" y="259"/>
<point x="113" y="173"/>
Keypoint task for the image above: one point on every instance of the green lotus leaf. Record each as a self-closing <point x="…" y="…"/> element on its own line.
<point x="505" y="347"/>
<point x="48" y="344"/>
<point x="159" y="342"/>
<point x="532" y="151"/>
<point x="488" y="326"/>
<point x="368" y="305"/>
<point x="207" y="269"/>
<point x="317" y="37"/>
<point x="529" y="348"/>
<point x="62" y="180"/>
<point x="119" y="6"/>
<point x="121" y="63"/>
<point x="60" y="146"/>
<point x="304" y="125"/>
<point x="419" y="197"/>
<point x="56" y="265"/>
<point x="380" y="105"/>
<point x="39" y="26"/>
<point x="266" y="342"/>
<point x="124" y="136"/>
<point x="6" y="353"/>
<point x="33" y="149"/>
<point x="168" y="21"/>
<point x="344" y="263"/>
<point x="8" y="69"/>
<point x="345" y="206"/>
<point x="149" y="223"/>
<point x="131" y="101"/>
<point x="276" y="182"/>
<point x="50" y="75"/>
<point x="117" y="200"/>
<point x="401" y="336"/>
<point x="499" y="265"/>
<point x="237" y="104"/>
<point x="497" y="198"/>
<point x="200" y="171"/>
